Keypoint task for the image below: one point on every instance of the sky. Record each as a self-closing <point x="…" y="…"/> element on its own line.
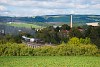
<point x="48" y="7"/>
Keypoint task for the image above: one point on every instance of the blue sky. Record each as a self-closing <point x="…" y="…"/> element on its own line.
<point x="48" y="7"/>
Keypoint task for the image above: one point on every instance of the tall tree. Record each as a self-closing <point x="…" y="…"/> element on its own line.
<point x="75" y="32"/>
<point x="65" y="27"/>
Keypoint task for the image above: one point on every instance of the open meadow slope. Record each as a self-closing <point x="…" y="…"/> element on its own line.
<point x="50" y="61"/>
<point x="26" y="25"/>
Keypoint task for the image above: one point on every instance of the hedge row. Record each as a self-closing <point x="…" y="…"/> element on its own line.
<point x="13" y="49"/>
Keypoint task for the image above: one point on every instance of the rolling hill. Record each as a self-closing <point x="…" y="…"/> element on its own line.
<point x="52" y="18"/>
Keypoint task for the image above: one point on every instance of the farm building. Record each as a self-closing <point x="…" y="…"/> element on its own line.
<point x="93" y="24"/>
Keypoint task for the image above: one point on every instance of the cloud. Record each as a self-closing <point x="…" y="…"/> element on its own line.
<point x="96" y="6"/>
<point x="38" y="4"/>
<point x="95" y="1"/>
<point x="2" y="8"/>
<point x="43" y="7"/>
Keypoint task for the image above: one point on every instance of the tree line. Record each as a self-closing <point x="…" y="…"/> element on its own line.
<point x="57" y="35"/>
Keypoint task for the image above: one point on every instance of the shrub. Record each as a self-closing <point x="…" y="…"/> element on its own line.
<point x="89" y="49"/>
<point x="14" y="49"/>
<point x="71" y="48"/>
<point x="85" y="41"/>
<point x="74" y="41"/>
<point x="43" y="51"/>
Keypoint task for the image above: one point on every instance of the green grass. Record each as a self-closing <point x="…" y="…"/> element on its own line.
<point x="26" y="25"/>
<point x="49" y="61"/>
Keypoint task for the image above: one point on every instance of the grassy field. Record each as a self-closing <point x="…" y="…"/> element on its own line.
<point x="26" y="25"/>
<point x="50" y="61"/>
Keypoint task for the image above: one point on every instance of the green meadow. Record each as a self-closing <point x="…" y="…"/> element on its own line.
<point x="49" y="61"/>
<point x="26" y="25"/>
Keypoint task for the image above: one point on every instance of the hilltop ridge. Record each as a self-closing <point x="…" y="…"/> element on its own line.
<point x="52" y="18"/>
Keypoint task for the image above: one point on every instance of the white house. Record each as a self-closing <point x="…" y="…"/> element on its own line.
<point x="93" y="24"/>
<point x="32" y="39"/>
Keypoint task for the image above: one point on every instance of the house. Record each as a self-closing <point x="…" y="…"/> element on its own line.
<point x="34" y="40"/>
<point x="93" y="24"/>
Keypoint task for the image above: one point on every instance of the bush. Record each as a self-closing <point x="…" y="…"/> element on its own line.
<point x="77" y="41"/>
<point x="14" y="49"/>
<point x="9" y="49"/>
<point x="88" y="49"/>
<point x="74" y="40"/>
<point x="71" y="48"/>
<point x="66" y="50"/>
<point x="43" y="51"/>
<point x="81" y="46"/>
